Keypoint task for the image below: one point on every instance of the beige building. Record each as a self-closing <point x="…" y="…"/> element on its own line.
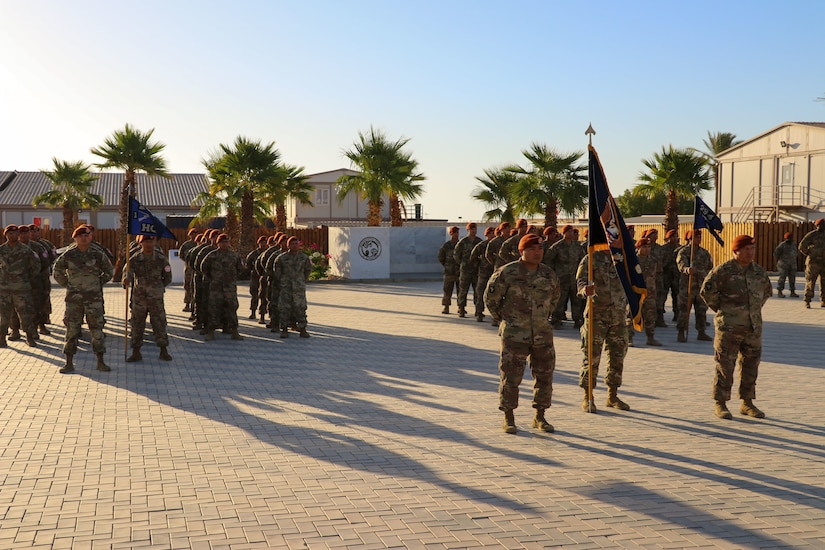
<point x="776" y="176"/>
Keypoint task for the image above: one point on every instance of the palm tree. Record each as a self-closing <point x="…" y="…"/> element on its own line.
<point x="496" y="193"/>
<point x="294" y="186"/>
<point x="72" y="183"/>
<point x="384" y="168"/>
<point x="132" y="151"/>
<point x="252" y="168"/>
<point x="716" y="143"/>
<point x="551" y="182"/>
<point x="676" y="173"/>
<point x="223" y="198"/>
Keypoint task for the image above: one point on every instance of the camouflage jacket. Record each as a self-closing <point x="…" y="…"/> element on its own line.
<point x="269" y="261"/>
<point x="50" y="249"/>
<point x="83" y="274"/>
<point x="651" y="271"/>
<point x="609" y="291"/>
<point x="786" y="253"/>
<point x="291" y="272"/>
<point x="462" y="253"/>
<point x="813" y="246"/>
<point x="18" y="266"/>
<point x="266" y="260"/>
<point x="668" y="258"/>
<point x="564" y="259"/>
<point x="478" y="258"/>
<point x="185" y="249"/>
<point x="151" y="271"/>
<point x="702" y="264"/>
<point x="250" y="260"/>
<point x="446" y="258"/>
<point x="509" y="249"/>
<point x="222" y="269"/>
<point x="737" y="294"/>
<point x="491" y="252"/>
<point x="522" y="300"/>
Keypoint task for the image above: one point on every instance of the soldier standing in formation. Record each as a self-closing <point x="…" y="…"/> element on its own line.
<point x="44" y="317"/>
<point x="254" y="276"/>
<point x="521" y="297"/>
<point x="268" y="306"/>
<point x="786" y="254"/>
<point x="651" y="269"/>
<point x="151" y="274"/>
<point x="736" y="291"/>
<point x="493" y="247"/>
<point x="188" y="273"/>
<point x="202" y="293"/>
<point x="468" y="271"/>
<point x="278" y="248"/>
<point x="449" y="269"/>
<point x="39" y="296"/>
<point x="608" y="309"/>
<point x="509" y="248"/>
<point x="812" y="246"/>
<point x="82" y="271"/>
<point x="221" y="268"/>
<point x="563" y="258"/>
<point x="694" y="264"/>
<point x="484" y="271"/>
<point x="670" y="278"/>
<point x="18" y="265"/>
<point x="290" y="274"/>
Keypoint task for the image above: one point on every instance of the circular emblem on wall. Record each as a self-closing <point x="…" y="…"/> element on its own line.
<point x="369" y="248"/>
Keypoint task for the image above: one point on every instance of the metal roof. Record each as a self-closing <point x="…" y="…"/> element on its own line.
<point x="763" y="134"/>
<point x="177" y="191"/>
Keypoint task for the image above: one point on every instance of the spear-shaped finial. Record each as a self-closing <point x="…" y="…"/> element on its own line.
<point x="590" y="132"/>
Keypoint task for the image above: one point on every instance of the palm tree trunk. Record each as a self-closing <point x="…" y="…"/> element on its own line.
<point x="233" y="228"/>
<point x="128" y="190"/>
<point x="551" y="215"/>
<point x="247" y="231"/>
<point x="280" y="217"/>
<point x="374" y="214"/>
<point x="672" y="211"/>
<point x="395" y="211"/>
<point x="68" y="224"/>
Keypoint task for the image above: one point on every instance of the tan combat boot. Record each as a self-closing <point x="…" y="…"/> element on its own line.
<point x="101" y="366"/>
<point x="236" y="335"/>
<point x="721" y="411"/>
<point x="682" y="336"/>
<point x="540" y="423"/>
<point x="31" y="339"/>
<point x="164" y="354"/>
<point x="3" y="343"/>
<point x="446" y="310"/>
<point x="651" y="341"/>
<point x="15" y="335"/>
<point x="703" y="337"/>
<point x="136" y="356"/>
<point x="210" y="335"/>
<point x="614" y="401"/>
<point x="462" y="312"/>
<point x="284" y="333"/>
<point x="509" y="424"/>
<point x="303" y="333"/>
<point x="587" y="405"/>
<point x="749" y="409"/>
<point x="69" y="366"/>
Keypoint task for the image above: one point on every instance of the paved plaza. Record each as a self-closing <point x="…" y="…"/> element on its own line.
<point x="382" y="431"/>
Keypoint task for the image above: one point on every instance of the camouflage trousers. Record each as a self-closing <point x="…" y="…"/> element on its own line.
<point x="254" y="292"/>
<point x="200" y="299"/>
<point x="670" y="285"/>
<point x="700" y="309"/>
<point x="78" y="306"/>
<point x="511" y="370"/>
<point x="144" y="304"/>
<point x="786" y="271"/>
<point x="478" y="290"/>
<point x="650" y="312"/>
<point x="188" y="284"/>
<point x="223" y="307"/>
<point x="450" y="285"/>
<point x="292" y="308"/>
<point x="263" y="297"/>
<point x="464" y="282"/>
<point x="728" y="346"/>
<point x="568" y="294"/>
<point x="13" y="304"/>
<point x="814" y="271"/>
<point x="610" y="333"/>
<point x="273" y="304"/>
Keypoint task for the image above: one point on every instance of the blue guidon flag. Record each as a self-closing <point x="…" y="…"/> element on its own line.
<point x="143" y="222"/>
<point x="705" y="218"/>
<point x="607" y="231"/>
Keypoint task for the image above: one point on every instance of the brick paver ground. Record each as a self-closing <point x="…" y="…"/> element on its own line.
<point x="382" y="431"/>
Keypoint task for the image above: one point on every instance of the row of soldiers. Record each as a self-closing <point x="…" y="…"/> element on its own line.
<point x="25" y="267"/>
<point x="278" y="274"/>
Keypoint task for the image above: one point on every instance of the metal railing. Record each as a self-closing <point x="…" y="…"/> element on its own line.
<point x="785" y="200"/>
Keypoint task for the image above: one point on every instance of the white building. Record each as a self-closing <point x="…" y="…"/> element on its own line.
<point x="776" y="176"/>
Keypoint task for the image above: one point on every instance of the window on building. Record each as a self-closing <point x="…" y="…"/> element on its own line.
<point x="322" y="196"/>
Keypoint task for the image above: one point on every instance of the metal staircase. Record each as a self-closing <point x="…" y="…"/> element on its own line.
<point x="793" y="203"/>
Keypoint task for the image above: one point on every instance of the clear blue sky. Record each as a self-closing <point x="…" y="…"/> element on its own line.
<point x="471" y="83"/>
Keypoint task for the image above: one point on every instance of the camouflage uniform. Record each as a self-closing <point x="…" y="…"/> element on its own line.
<point x="203" y="294"/>
<point x="221" y="269"/>
<point x="39" y="295"/>
<point x="608" y="308"/>
<point x="564" y="259"/>
<point x="702" y="264"/>
<point x="254" y="279"/>
<point x="83" y="274"/>
<point x="188" y="273"/>
<point x="18" y="266"/>
<point x="737" y="295"/>
<point x="274" y="289"/>
<point x="47" y="282"/>
<point x="670" y="280"/>
<point x="151" y="274"/>
<point x="812" y="245"/>
<point x="522" y="301"/>
<point x="651" y="269"/>
<point x="450" y="270"/>
<point x="786" y="254"/>
<point x="485" y="270"/>
<point x="265" y="304"/>
<point x="509" y="249"/>
<point x="290" y="275"/>
<point x="468" y="271"/>
<point x="492" y="252"/>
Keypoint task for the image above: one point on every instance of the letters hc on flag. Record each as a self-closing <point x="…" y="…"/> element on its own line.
<point x="704" y="217"/>
<point x="142" y="222"/>
<point x="607" y="231"/>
